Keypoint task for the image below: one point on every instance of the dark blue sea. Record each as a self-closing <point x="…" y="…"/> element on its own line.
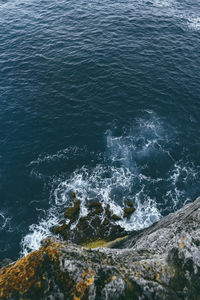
<point x="101" y="98"/>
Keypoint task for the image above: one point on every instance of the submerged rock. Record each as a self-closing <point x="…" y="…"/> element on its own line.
<point x="160" y="262"/>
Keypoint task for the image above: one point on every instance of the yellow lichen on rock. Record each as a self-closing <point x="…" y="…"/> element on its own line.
<point x="81" y="288"/>
<point x="157" y="276"/>
<point x="26" y="272"/>
<point x="114" y="277"/>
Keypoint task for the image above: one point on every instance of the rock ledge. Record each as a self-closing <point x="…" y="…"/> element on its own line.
<point x="160" y="262"/>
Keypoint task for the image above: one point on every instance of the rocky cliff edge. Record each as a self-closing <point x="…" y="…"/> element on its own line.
<point x="160" y="262"/>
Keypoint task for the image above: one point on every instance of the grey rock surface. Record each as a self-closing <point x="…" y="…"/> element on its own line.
<point x="160" y="262"/>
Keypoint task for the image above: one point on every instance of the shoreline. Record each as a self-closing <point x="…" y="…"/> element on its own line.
<point x="159" y="262"/>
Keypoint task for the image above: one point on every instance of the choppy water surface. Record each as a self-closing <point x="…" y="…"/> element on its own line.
<point x="100" y="98"/>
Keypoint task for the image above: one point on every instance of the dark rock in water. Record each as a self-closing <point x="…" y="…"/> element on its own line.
<point x="98" y="210"/>
<point x="94" y="204"/>
<point x="160" y="262"/>
<point x="90" y="228"/>
<point x="63" y="230"/>
<point x="96" y="207"/>
<point x="107" y="211"/>
<point x="128" y="211"/>
<point x="115" y="218"/>
<point x="73" y="195"/>
<point x="129" y="203"/>
<point x="106" y="221"/>
<point x="72" y="213"/>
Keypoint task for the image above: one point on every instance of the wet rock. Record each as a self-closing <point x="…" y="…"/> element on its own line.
<point x="107" y="211"/>
<point x="128" y="211"/>
<point x="94" y="204"/>
<point x="72" y="213"/>
<point x="115" y="218"/>
<point x="129" y="203"/>
<point x="63" y="230"/>
<point x="98" y="210"/>
<point x="106" y="221"/>
<point x="95" y="207"/>
<point x="73" y="195"/>
<point x="96" y="222"/>
<point x="89" y="228"/>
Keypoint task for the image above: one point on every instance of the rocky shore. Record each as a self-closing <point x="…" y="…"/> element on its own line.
<point x="98" y="225"/>
<point x="160" y="262"/>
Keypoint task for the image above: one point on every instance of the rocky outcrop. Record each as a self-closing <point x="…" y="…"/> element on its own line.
<point x="161" y="262"/>
<point x="98" y="224"/>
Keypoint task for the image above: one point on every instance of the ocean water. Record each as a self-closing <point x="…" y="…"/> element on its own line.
<point x="101" y="98"/>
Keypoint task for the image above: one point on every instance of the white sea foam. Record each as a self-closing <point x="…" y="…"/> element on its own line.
<point x="164" y="3"/>
<point x="38" y="232"/>
<point x="111" y="185"/>
<point x="194" y="22"/>
<point x="146" y="214"/>
<point x="114" y="190"/>
<point x="2" y="221"/>
<point x="184" y="14"/>
<point x="5" y="221"/>
<point x="98" y="183"/>
<point x="61" y="154"/>
<point x="126" y="173"/>
<point x="181" y="175"/>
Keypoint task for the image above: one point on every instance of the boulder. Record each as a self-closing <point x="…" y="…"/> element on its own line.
<point x="72" y="213"/>
<point x="128" y="211"/>
<point x="115" y="218"/>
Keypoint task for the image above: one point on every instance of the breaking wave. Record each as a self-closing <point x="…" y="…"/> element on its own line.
<point x="186" y="15"/>
<point x="137" y="165"/>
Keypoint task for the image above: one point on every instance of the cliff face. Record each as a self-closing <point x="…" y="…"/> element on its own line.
<point x="161" y="262"/>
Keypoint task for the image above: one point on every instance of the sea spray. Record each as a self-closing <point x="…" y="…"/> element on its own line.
<point x="137" y="166"/>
